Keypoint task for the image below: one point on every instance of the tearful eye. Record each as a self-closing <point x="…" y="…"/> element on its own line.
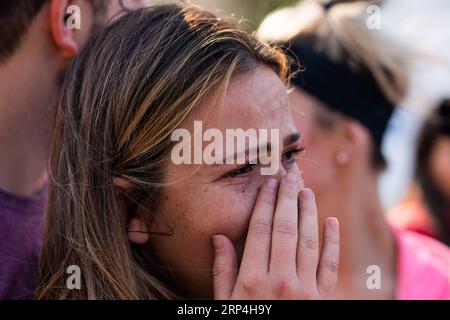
<point x="242" y="171"/>
<point x="290" y="155"/>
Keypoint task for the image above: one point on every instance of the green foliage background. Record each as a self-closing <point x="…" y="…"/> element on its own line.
<point x="252" y="10"/>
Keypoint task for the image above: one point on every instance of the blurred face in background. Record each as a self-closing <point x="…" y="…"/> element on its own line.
<point x="317" y="163"/>
<point x="338" y="153"/>
<point x="439" y="165"/>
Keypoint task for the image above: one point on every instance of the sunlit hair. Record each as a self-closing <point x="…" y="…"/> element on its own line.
<point x="130" y="87"/>
<point x="338" y="29"/>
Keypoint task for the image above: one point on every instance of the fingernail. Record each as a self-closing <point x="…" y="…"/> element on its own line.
<point x="272" y="184"/>
<point x="291" y="179"/>
<point x="306" y="194"/>
<point x="217" y="242"/>
<point x="333" y="223"/>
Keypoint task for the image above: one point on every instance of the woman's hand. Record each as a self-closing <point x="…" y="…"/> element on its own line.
<point x="281" y="259"/>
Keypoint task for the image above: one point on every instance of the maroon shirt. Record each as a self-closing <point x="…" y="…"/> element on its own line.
<point x="21" y="231"/>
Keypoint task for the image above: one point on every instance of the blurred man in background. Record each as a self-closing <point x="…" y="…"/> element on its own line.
<point x="36" y="45"/>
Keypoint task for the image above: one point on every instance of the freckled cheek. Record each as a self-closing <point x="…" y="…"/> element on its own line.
<point x="230" y="214"/>
<point x="229" y="217"/>
<point x="221" y="211"/>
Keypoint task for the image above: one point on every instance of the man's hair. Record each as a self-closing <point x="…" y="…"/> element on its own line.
<point x="16" y="16"/>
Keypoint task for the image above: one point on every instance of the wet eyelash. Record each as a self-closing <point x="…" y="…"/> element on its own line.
<point x="247" y="168"/>
<point x="295" y="152"/>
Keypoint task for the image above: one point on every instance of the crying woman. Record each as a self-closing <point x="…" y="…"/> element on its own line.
<point x="142" y="227"/>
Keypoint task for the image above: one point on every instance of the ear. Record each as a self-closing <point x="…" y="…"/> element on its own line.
<point x="121" y="183"/>
<point x="353" y="140"/>
<point x="62" y="36"/>
<point x="137" y="231"/>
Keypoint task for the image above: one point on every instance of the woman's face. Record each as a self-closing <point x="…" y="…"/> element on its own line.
<point x="318" y="162"/>
<point x="204" y="200"/>
<point x="439" y="164"/>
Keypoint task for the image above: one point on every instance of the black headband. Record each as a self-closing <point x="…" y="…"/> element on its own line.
<point x="443" y="117"/>
<point x="355" y="95"/>
<point x="328" y="4"/>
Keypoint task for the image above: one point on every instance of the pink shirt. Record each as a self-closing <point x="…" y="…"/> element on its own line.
<point x="423" y="267"/>
<point x="412" y="215"/>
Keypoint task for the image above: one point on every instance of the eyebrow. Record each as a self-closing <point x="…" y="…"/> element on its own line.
<point x="293" y="137"/>
<point x="247" y="151"/>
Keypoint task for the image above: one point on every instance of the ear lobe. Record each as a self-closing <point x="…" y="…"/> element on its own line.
<point x="358" y="136"/>
<point x="121" y="182"/>
<point x="342" y="158"/>
<point x="137" y="231"/>
<point x="62" y="36"/>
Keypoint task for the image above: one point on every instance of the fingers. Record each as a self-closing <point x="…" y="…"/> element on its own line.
<point x="285" y="227"/>
<point x="225" y="267"/>
<point x="308" y="243"/>
<point x="257" y="247"/>
<point x="327" y="274"/>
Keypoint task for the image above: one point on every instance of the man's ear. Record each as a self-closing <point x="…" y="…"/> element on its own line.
<point x="62" y="36"/>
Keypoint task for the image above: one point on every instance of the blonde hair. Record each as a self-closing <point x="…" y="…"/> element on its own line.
<point x="342" y="34"/>
<point x="130" y="87"/>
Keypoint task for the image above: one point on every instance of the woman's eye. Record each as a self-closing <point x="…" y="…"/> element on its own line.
<point x="242" y="171"/>
<point x="290" y="155"/>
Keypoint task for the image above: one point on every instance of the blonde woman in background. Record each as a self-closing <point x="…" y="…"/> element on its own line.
<point x="351" y="82"/>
